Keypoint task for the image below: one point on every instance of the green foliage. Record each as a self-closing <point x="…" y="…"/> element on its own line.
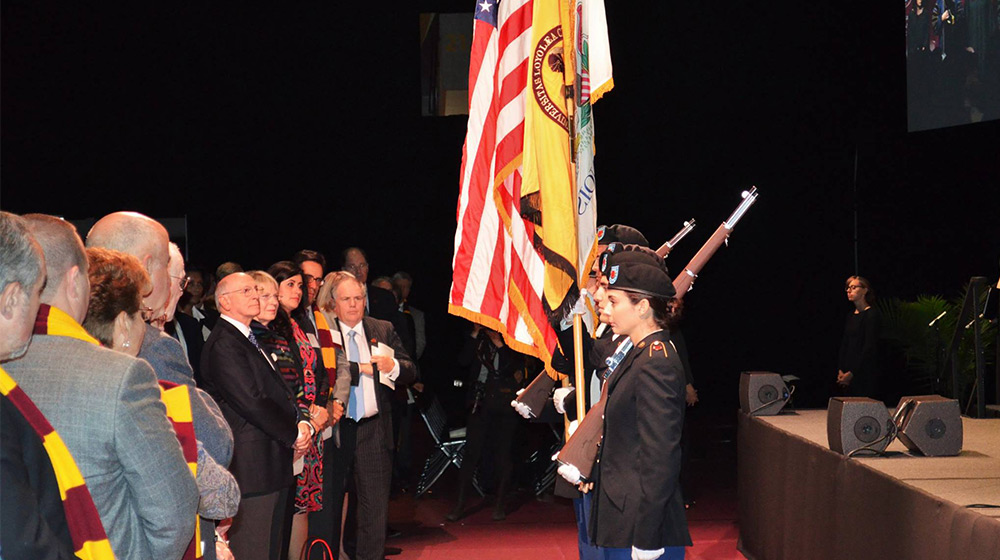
<point x="923" y="349"/>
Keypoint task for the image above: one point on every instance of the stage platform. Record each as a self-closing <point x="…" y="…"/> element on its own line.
<point x="800" y="500"/>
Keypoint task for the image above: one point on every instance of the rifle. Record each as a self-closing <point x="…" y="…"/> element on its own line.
<point x="529" y="403"/>
<point x="665" y="249"/>
<point x="685" y="280"/>
<point x="580" y="451"/>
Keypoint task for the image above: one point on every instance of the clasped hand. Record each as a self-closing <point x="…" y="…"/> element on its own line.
<point x="319" y="417"/>
<point x="385" y="364"/>
<point x="304" y="440"/>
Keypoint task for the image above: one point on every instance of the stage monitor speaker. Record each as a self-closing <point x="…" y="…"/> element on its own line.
<point x="762" y="393"/>
<point x="854" y="422"/>
<point x="930" y="425"/>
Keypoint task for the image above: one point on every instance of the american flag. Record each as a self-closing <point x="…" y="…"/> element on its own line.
<point x="498" y="275"/>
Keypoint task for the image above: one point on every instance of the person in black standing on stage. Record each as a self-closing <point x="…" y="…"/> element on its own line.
<point x="858" y="371"/>
<point x="496" y="373"/>
<point x="638" y="509"/>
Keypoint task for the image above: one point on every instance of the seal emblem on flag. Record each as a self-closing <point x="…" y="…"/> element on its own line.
<point x="547" y="75"/>
<point x="613" y="277"/>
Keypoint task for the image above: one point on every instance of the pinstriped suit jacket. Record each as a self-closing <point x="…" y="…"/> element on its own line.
<point x="382" y="331"/>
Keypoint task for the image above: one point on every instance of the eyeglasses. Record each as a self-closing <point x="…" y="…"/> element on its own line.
<point x="183" y="281"/>
<point x="312" y="279"/>
<point x="249" y="292"/>
<point x="849" y="288"/>
<point x="268" y="297"/>
<point x="357" y="266"/>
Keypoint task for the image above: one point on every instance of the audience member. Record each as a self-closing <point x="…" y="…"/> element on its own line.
<point x="326" y="523"/>
<point x="193" y="304"/>
<point x="316" y="388"/>
<point x="227" y="268"/>
<point x="184" y="328"/>
<point x="117" y="282"/>
<point x="403" y="284"/>
<point x="261" y="410"/>
<point x="495" y="373"/>
<point x="32" y="513"/>
<point x="106" y="407"/>
<point x="147" y="240"/>
<point x="366" y="434"/>
<point x="312" y="263"/>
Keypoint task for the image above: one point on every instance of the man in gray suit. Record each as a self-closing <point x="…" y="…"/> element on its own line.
<point x="366" y="431"/>
<point x="147" y="240"/>
<point x="106" y="406"/>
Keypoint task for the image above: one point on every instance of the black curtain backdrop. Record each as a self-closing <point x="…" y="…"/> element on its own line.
<point x="294" y="126"/>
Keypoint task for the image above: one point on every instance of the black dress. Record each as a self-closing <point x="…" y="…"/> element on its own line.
<point x="859" y="353"/>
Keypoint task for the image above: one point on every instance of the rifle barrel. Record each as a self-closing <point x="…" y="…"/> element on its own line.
<point x="665" y="249"/>
<point x="749" y="197"/>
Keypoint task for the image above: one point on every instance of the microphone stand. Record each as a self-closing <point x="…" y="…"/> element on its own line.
<point x="938" y="350"/>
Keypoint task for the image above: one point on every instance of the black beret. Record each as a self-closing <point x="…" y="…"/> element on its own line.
<point x="607" y="235"/>
<point x="637" y="271"/>
<point x="641" y="254"/>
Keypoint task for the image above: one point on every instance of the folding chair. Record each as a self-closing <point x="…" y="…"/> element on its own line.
<point x="448" y="447"/>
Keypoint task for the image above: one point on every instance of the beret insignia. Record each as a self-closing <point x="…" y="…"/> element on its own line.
<point x="613" y="277"/>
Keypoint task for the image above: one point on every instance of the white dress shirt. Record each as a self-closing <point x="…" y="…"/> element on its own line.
<point x="365" y="357"/>
<point x="245" y="330"/>
<point x="197" y="314"/>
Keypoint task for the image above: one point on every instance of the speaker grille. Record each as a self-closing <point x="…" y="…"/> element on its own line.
<point x="935" y="428"/>
<point x="767" y="393"/>
<point x="867" y="429"/>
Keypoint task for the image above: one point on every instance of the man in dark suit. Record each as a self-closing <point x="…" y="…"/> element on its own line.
<point x="261" y="410"/>
<point x="366" y="432"/>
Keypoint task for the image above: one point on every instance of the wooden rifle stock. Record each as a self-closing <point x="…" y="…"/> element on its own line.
<point x="580" y="450"/>
<point x="536" y="393"/>
<point x="665" y="249"/>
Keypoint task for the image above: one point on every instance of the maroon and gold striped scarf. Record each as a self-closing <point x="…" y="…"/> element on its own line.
<point x="328" y="347"/>
<point x="90" y="542"/>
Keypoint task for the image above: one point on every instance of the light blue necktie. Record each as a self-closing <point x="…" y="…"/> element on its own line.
<point x="356" y="404"/>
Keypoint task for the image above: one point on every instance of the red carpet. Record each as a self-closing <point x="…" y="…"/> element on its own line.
<point x="546" y="529"/>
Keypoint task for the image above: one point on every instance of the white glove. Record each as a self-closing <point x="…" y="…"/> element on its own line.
<point x="559" y="398"/>
<point x="571" y="474"/>
<point x="639" y="554"/>
<point x="520" y="407"/>
<point x="572" y="427"/>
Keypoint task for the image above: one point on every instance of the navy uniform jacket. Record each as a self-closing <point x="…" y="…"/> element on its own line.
<point x="637" y="498"/>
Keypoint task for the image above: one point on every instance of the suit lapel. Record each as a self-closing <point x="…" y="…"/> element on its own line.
<point x="371" y="331"/>
<point x="262" y="361"/>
